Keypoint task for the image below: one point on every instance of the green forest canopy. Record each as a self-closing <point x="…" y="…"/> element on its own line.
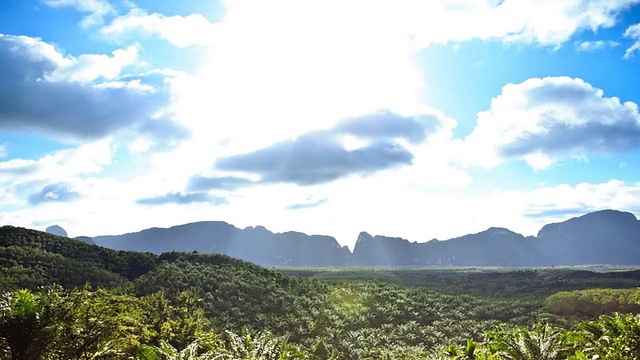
<point x="190" y="305"/>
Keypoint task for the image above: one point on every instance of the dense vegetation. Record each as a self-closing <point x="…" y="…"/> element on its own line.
<point x="485" y="281"/>
<point x="207" y="306"/>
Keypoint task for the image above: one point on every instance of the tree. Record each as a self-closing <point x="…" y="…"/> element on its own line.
<point x="28" y="324"/>
<point x="611" y="337"/>
<point x="541" y="343"/>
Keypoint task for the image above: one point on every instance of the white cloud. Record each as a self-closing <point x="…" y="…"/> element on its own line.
<point x="543" y="121"/>
<point x="53" y="187"/>
<point x="282" y="68"/>
<point x="96" y="9"/>
<point x="43" y="62"/>
<point x="633" y="32"/>
<point x="86" y="159"/>
<point x="55" y="95"/>
<point x="548" y="23"/>
<point x="588" y="46"/>
<point x="3" y="150"/>
<point x="89" y="67"/>
<point x="305" y="65"/>
<point x="180" y="31"/>
<point x="34" y="50"/>
<point x="558" y="203"/>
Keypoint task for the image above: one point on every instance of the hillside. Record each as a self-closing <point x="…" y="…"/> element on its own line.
<point x="32" y="258"/>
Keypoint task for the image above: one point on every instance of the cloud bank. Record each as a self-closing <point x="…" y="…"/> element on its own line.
<point x="546" y="120"/>
<point x="53" y="95"/>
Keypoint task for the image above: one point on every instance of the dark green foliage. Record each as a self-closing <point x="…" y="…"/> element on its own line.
<point x="27" y="327"/>
<point x="610" y="337"/>
<point x="208" y="306"/>
<point x="29" y="259"/>
<point x="233" y="296"/>
<point x="591" y="303"/>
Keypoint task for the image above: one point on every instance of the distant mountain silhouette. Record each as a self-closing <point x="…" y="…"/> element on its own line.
<point x="492" y="247"/>
<point x="602" y="237"/>
<point x="56" y="230"/>
<point x="86" y="239"/>
<point x="255" y="244"/>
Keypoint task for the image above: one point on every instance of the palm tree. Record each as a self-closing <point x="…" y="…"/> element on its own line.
<point x="166" y="351"/>
<point x="542" y="343"/>
<point x="263" y="346"/>
<point x="27" y="324"/>
<point x="611" y="337"/>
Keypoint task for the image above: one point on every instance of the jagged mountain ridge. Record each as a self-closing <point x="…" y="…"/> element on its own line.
<point x="602" y="237"/>
<point x="255" y="244"/>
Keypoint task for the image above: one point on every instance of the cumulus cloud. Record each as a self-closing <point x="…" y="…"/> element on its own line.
<point x="48" y="93"/>
<point x="54" y="177"/>
<point x="58" y="192"/>
<point x="633" y="32"/>
<point x="554" y="22"/>
<point x="203" y="183"/>
<point x="85" y="159"/>
<point x="96" y="9"/>
<point x="546" y="120"/>
<point x="588" y="46"/>
<point x="182" y="199"/>
<point x="89" y="67"/>
<point x="323" y="156"/>
<point x="180" y="31"/>
<point x="565" y="200"/>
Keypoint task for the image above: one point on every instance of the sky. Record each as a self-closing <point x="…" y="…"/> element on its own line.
<point x="404" y="118"/>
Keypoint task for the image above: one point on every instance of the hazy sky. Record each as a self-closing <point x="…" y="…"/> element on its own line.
<point x="417" y="119"/>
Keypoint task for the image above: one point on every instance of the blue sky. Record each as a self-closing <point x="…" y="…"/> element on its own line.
<point x="401" y="118"/>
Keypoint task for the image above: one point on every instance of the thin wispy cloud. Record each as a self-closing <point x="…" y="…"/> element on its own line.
<point x="95" y="10"/>
<point x="632" y="32"/>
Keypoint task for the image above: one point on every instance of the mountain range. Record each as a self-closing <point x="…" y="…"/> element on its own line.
<point x="602" y="237"/>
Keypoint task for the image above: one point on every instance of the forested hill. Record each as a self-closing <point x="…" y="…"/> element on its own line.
<point x="234" y="290"/>
<point x="603" y="237"/>
<point x="30" y="259"/>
